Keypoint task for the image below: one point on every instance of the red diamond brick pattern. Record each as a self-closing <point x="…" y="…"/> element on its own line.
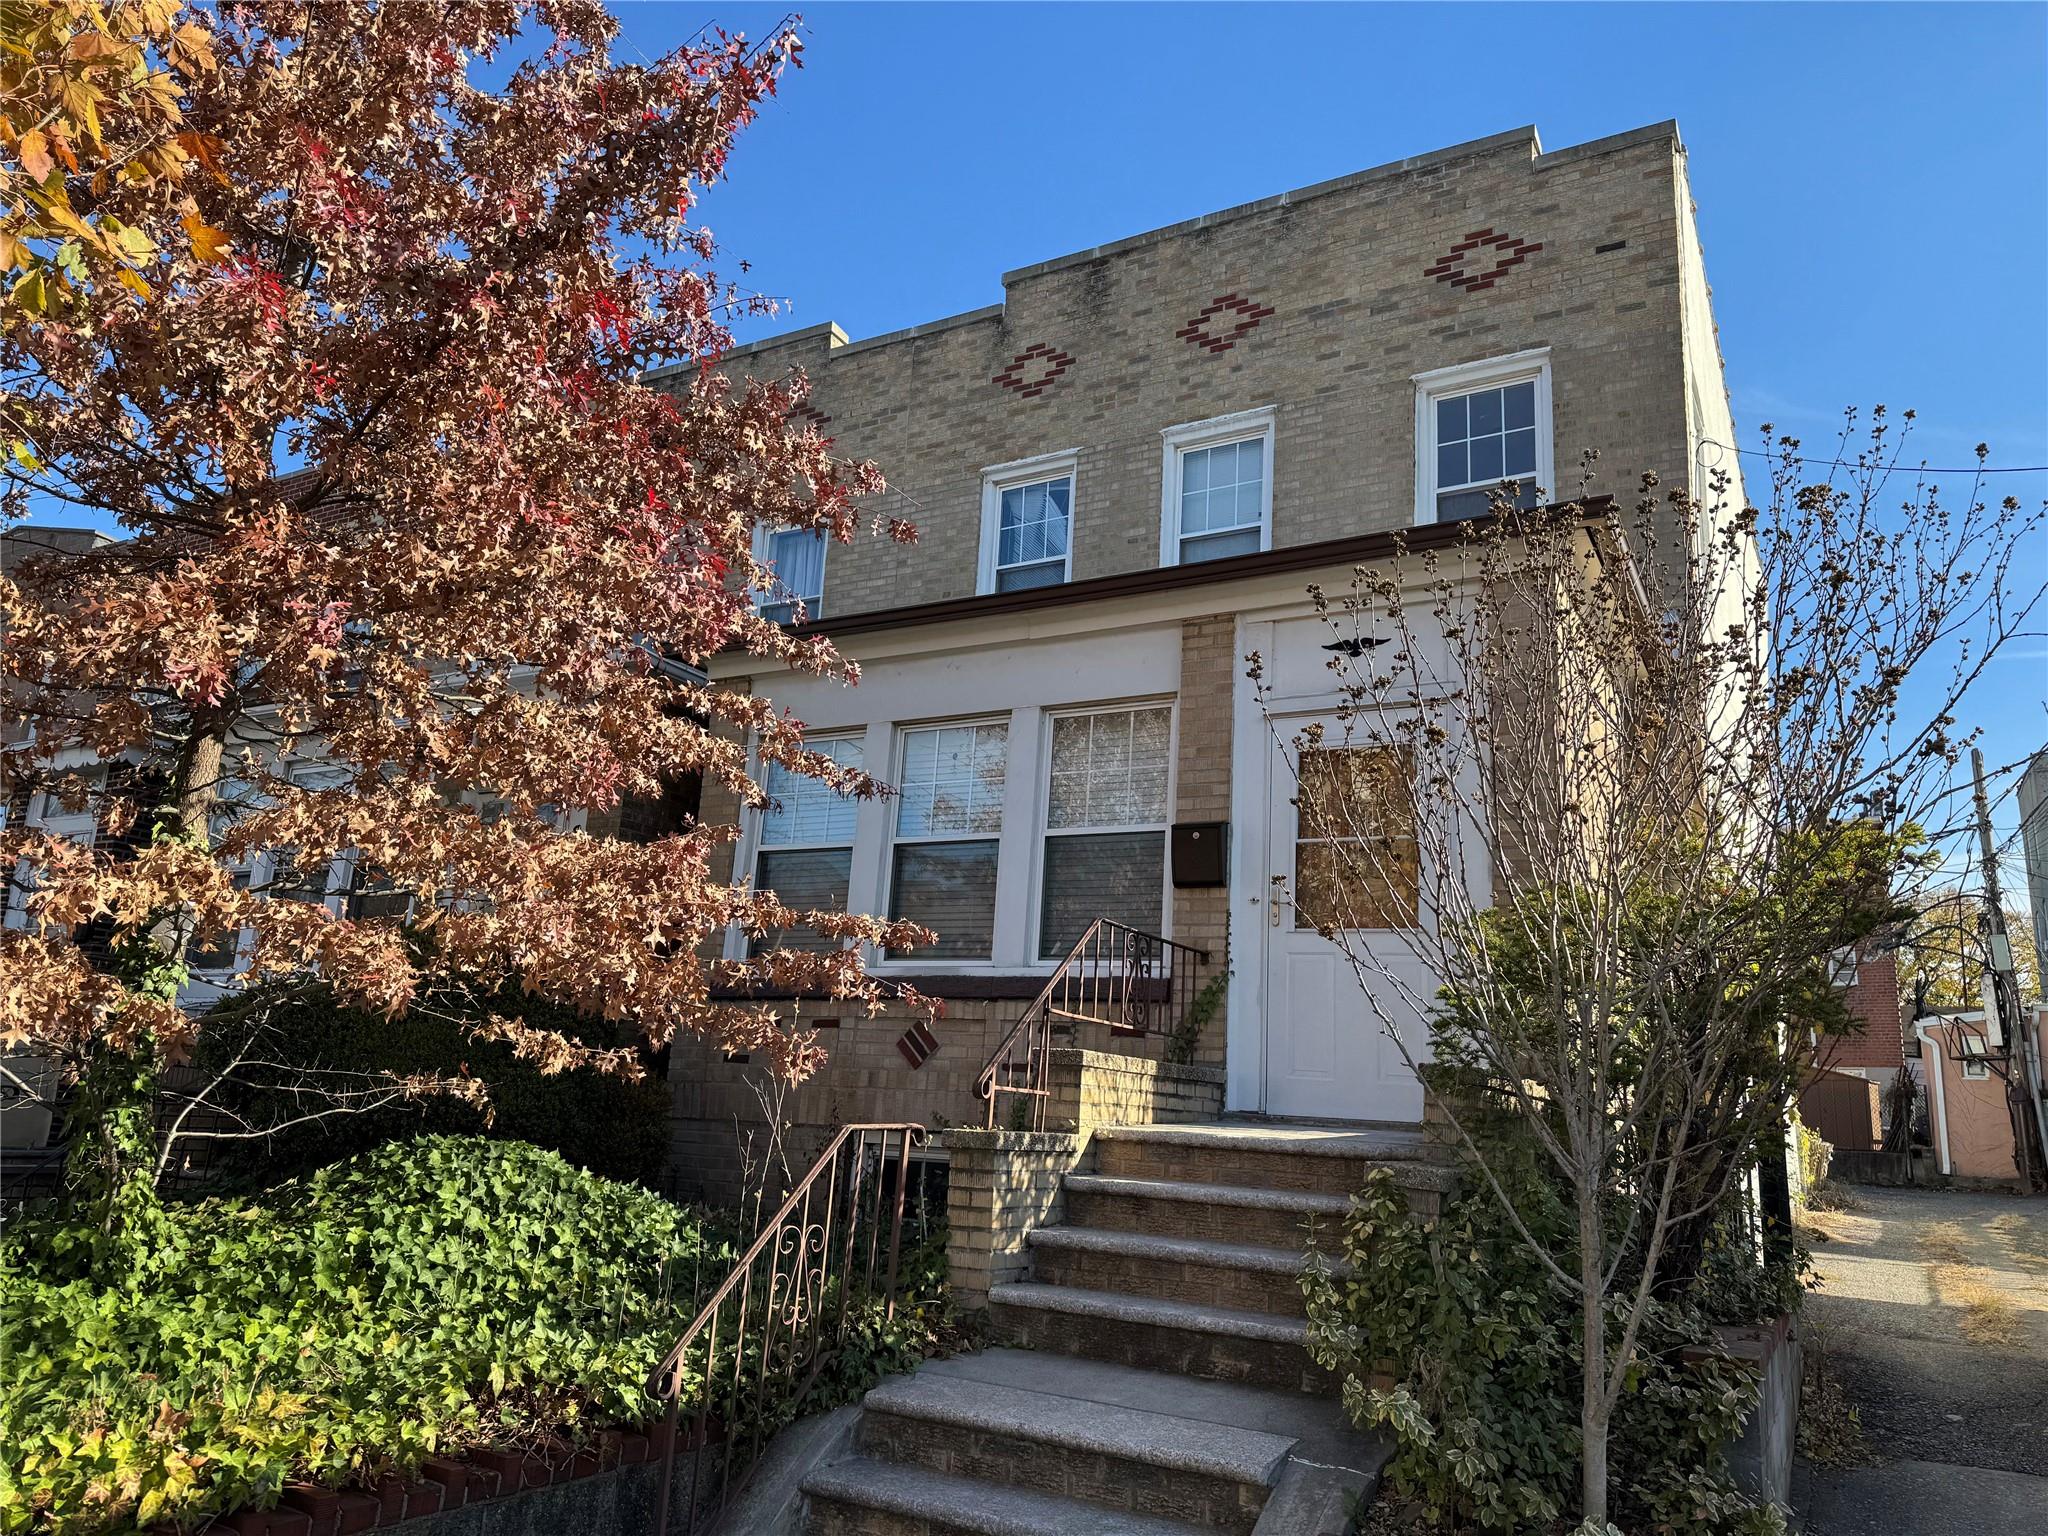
<point x="918" y="1045"/>
<point x="1222" y="335"/>
<point x="1032" y="372"/>
<point x="1481" y="259"/>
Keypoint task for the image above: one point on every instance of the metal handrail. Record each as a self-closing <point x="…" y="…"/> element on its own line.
<point x="1133" y="983"/>
<point x="742" y="1344"/>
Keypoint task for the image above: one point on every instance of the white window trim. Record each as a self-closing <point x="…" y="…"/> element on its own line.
<point x="899" y="748"/>
<point x="1515" y="368"/>
<point x="997" y="478"/>
<point x="814" y="609"/>
<point x="1236" y="427"/>
<point x="1041" y="830"/>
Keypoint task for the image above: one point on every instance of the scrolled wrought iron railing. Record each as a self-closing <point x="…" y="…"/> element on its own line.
<point x="1130" y="983"/>
<point x="759" y="1341"/>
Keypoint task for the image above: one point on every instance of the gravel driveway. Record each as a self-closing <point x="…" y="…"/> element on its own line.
<point x="1933" y="1313"/>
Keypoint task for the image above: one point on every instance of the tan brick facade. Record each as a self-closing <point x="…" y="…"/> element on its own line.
<point x="1322" y="306"/>
<point x="1004" y="1183"/>
<point x="1208" y="671"/>
<point x="1345" y="277"/>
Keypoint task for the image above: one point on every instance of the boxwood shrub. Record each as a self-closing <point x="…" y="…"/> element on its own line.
<point x="609" y="1125"/>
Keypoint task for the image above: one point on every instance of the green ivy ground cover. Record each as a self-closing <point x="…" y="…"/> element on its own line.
<point x="426" y="1296"/>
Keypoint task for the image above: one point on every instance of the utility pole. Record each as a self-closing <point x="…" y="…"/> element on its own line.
<point x="2005" y="1017"/>
<point x="2000" y="981"/>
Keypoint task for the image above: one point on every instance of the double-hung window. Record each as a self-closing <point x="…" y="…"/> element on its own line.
<point x="1027" y="524"/>
<point x="1105" y="824"/>
<point x="1478" y="426"/>
<point x="795" y="558"/>
<point x="806" y="850"/>
<point x="1218" y="479"/>
<point x="949" y="827"/>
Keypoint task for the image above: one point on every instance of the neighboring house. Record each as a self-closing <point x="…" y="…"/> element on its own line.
<point x="2033" y="802"/>
<point x="1876" y="1048"/>
<point x="28" y="1084"/>
<point x="1125" y="476"/>
<point x="1848" y="1095"/>
<point x="1977" y="1095"/>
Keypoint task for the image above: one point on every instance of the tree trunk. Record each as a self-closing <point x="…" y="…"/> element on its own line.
<point x="1593" y="1408"/>
<point x="111" y="1169"/>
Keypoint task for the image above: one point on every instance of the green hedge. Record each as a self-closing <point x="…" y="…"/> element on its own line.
<point x="610" y="1126"/>
<point x="429" y="1295"/>
<point x="1486" y="1360"/>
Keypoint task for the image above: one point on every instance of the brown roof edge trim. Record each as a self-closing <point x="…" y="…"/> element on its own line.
<point x="1354" y="550"/>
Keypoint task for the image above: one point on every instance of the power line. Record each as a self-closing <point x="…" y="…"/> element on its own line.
<point x="1924" y="469"/>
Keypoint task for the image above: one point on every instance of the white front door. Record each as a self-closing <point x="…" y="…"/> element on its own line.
<point x="1329" y="1050"/>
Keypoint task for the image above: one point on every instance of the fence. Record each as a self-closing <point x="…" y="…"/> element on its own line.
<point x="825" y="1262"/>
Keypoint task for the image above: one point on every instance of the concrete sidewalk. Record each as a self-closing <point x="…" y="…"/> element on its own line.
<point x="1933" y="1316"/>
<point x="1920" y="1498"/>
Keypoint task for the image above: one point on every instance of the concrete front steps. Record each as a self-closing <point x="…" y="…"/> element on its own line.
<point x="1016" y="1443"/>
<point x="1183" y="1250"/>
<point x="1163" y="1386"/>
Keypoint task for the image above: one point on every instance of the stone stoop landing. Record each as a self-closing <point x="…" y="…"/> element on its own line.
<point x="1017" y="1443"/>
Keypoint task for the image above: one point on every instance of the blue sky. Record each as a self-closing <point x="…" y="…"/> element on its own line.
<point x="1872" y="180"/>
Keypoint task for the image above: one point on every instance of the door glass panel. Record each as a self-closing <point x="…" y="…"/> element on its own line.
<point x="1355" y="862"/>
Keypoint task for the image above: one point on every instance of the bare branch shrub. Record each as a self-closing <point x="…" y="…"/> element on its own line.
<point x="1630" y="784"/>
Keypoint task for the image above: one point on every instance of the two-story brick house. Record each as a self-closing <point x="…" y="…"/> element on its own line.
<point x="1125" y="477"/>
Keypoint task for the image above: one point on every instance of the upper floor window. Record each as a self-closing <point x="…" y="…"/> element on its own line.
<point x="1027" y="524"/>
<point x="1218" y="479"/>
<point x="949" y="827"/>
<point x="796" y="557"/>
<point x="1477" y="426"/>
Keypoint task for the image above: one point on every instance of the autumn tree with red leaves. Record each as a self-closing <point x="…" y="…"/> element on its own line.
<point x="369" y="406"/>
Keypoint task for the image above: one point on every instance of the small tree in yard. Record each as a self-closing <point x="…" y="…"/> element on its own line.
<point x="1945" y="954"/>
<point x="352" y="347"/>
<point x="1631" y="787"/>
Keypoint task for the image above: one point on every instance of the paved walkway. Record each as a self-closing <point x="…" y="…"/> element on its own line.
<point x="1933" y="1311"/>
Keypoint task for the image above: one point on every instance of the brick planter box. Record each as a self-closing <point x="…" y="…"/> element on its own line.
<point x="607" y="1488"/>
